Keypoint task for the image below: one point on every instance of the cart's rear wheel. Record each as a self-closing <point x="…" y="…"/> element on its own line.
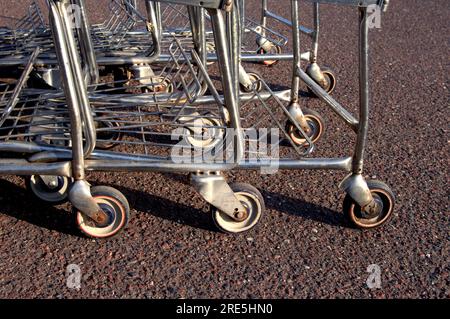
<point x="53" y="190"/>
<point x="116" y="207"/>
<point x="252" y="200"/>
<point x="385" y="199"/>
<point x="316" y="124"/>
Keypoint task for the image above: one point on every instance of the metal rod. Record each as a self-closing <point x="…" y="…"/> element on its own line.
<point x="230" y="95"/>
<point x="288" y="23"/>
<point x="316" y="33"/>
<point x="18" y="89"/>
<point x="348" y="118"/>
<point x="23" y="167"/>
<point x="361" y="141"/>
<point x="295" y="86"/>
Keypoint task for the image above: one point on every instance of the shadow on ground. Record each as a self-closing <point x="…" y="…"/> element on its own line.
<point x="17" y="202"/>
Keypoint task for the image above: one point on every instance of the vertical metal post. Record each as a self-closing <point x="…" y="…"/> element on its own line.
<point x="236" y="45"/>
<point x="315" y="49"/>
<point x="295" y="86"/>
<point x="70" y="91"/>
<point x="87" y="50"/>
<point x="264" y="7"/>
<point x="228" y="80"/>
<point x="361" y="141"/>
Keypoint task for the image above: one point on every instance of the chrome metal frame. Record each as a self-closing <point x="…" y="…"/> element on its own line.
<point x="81" y="156"/>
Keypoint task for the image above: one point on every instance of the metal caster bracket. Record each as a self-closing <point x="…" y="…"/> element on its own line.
<point x="216" y="191"/>
<point x="356" y="187"/>
<point x="81" y="198"/>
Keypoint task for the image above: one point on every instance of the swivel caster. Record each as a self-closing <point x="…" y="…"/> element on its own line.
<point x="329" y="80"/>
<point x="205" y="133"/>
<point x="116" y="207"/>
<point x="316" y="124"/>
<point x="255" y="82"/>
<point x="50" y="189"/>
<point x="384" y="198"/>
<point x="108" y="134"/>
<point x="274" y="49"/>
<point x="253" y="202"/>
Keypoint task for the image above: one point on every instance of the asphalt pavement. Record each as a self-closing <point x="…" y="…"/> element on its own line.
<point x="303" y="247"/>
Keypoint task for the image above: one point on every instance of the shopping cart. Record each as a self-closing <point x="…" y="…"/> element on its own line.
<point x="177" y="129"/>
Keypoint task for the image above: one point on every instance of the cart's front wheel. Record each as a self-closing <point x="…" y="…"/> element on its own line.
<point x="253" y="202"/>
<point x="50" y="189"/>
<point x="256" y="84"/>
<point x="275" y="49"/>
<point x="116" y="207"/>
<point x="316" y="128"/>
<point x="385" y="200"/>
<point x="207" y="135"/>
<point x="108" y="134"/>
<point x="330" y="81"/>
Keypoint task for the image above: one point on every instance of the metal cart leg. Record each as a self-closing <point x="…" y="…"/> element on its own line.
<point x="294" y="108"/>
<point x="354" y="184"/>
<point x="213" y="187"/>
<point x="86" y="46"/>
<point x="77" y="101"/>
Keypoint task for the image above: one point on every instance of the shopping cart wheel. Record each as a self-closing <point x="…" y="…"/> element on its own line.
<point x="50" y="189"/>
<point x="275" y="49"/>
<point x="206" y="135"/>
<point x="384" y="197"/>
<point x="114" y="204"/>
<point x="107" y="139"/>
<point x="255" y="79"/>
<point x="163" y="86"/>
<point x="252" y="200"/>
<point x="316" y="124"/>
<point x="330" y="81"/>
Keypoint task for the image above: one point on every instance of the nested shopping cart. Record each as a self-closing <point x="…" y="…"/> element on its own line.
<point x="173" y="125"/>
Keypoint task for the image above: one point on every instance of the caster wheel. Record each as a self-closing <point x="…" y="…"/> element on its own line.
<point x="115" y="205"/>
<point x="330" y="81"/>
<point x="384" y="197"/>
<point x="50" y="189"/>
<point x="255" y="78"/>
<point x="275" y="49"/>
<point x="108" y="139"/>
<point x="316" y="124"/>
<point x="252" y="200"/>
<point x="121" y="79"/>
<point x="207" y="135"/>
<point x="160" y="86"/>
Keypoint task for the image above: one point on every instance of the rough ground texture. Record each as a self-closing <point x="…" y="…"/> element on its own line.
<point x="303" y="248"/>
